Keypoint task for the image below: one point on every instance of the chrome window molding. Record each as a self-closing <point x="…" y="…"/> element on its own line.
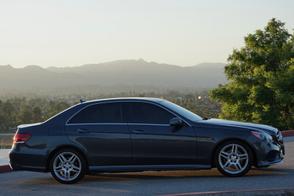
<point x="124" y="101"/>
<point x="150" y="124"/>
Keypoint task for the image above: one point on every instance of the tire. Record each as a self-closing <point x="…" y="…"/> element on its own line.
<point x="67" y="166"/>
<point x="233" y="158"/>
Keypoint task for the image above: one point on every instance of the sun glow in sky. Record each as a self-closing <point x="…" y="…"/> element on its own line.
<point x="182" y="32"/>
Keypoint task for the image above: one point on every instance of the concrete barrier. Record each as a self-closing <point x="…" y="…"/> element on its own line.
<point x="288" y="133"/>
<point x="5" y="168"/>
<point x="257" y="192"/>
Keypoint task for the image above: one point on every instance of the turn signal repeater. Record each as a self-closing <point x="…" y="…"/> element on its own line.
<point x="21" y="138"/>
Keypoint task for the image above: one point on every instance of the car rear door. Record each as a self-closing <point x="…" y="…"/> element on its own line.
<point x="154" y="141"/>
<point x="99" y="129"/>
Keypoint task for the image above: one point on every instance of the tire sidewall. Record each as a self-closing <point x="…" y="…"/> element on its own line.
<point x="250" y="158"/>
<point x="83" y="166"/>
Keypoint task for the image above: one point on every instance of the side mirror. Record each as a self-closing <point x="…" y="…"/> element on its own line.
<point x="176" y="122"/>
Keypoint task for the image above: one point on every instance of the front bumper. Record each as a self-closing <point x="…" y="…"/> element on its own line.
<point x="271" y="154"/>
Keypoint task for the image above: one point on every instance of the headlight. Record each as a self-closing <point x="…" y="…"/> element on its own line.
<point x="262" y="135"/>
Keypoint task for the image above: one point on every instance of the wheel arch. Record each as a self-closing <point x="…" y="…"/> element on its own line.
<point x="233" y="139"/>
<point x="52" y="153"/>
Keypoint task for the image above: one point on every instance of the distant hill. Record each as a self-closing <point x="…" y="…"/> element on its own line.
<point x="118" y="75"/>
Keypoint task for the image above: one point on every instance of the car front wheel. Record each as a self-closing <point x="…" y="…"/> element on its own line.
<point x="67" y="166"/>
<point x="233" y="158"/>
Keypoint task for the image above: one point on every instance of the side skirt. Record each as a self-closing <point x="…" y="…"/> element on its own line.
<point x="139" y="168"/>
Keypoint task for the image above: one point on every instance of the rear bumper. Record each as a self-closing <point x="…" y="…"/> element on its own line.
<point x="16" y="167"/>
<point x="20" y="160"/>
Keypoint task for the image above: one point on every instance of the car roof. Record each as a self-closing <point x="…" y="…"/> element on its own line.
<point x="152" y="99"/>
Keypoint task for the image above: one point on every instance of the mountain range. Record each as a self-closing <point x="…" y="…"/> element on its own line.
<point x="118" y="75"/>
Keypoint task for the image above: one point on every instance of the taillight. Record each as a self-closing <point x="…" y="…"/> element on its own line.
<point x="21" y="137"/>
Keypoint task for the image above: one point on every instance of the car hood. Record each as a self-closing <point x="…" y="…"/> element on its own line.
<point x="251" y="126"/>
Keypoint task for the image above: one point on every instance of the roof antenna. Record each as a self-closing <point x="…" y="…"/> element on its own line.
<point x="82" y="100"/>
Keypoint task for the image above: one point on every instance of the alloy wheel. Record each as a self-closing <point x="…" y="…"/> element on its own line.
<point x="67" y="166"/>
<point x="233" y="158"/>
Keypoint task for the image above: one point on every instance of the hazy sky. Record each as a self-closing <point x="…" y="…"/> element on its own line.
<point x="182" y="32"/>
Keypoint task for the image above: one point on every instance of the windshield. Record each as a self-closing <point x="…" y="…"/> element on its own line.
<point x="181" y="111"/>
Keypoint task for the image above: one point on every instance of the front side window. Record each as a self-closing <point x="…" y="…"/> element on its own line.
<point x="181" y="111"/>
<point x="137" y="112"/>
<point x="99" y="113"/>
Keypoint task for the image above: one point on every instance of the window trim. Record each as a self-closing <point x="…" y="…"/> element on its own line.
<point x="87" y="106"/>
<point x="125" y="123"/>
<point x="156" y="105"/>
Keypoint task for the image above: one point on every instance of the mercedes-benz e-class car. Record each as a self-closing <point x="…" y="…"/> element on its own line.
<point x="139" y="134"/>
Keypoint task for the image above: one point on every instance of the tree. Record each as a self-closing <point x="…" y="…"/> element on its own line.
<point x="261" y="79"/>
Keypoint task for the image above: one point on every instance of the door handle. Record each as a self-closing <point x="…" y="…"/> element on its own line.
<point x="83" y="131"/>
<point x="138" y="131"/>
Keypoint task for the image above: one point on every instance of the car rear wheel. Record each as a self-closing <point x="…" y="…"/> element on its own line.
<point x="67" y="166"/>
<point x="233" y="158"/>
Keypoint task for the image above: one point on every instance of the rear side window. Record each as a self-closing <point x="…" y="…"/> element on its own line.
<point x="99" y="113"/>
<point x="137" y="112"/>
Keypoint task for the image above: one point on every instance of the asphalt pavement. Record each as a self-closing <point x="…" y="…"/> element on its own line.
<point x="171" y="183"/>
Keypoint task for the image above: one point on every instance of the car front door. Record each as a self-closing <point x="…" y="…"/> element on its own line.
<point x="99" y="129"/>
<point x="154" y="141"/>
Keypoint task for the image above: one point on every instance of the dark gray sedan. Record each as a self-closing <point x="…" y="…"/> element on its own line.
<point x="139" y="134"/>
